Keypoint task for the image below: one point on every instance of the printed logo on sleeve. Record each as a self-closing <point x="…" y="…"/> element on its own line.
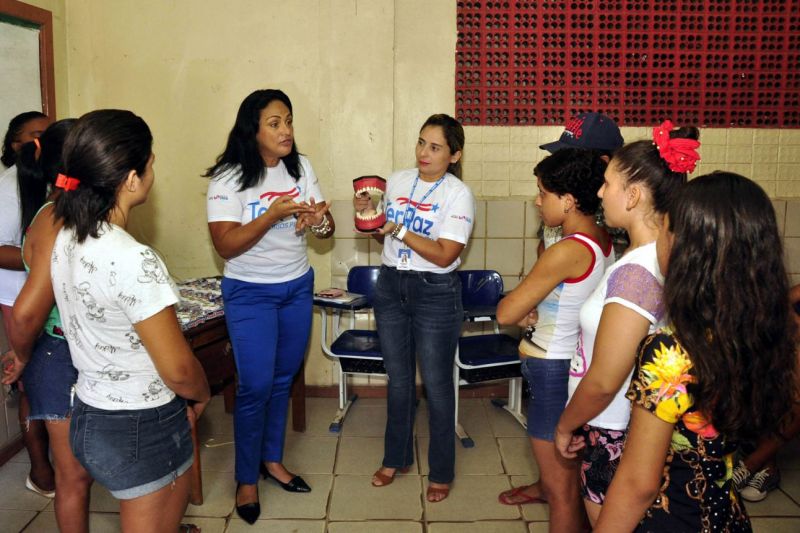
<point x="223" y="197"/>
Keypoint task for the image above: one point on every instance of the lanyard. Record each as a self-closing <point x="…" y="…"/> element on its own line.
<point x="408" y="214"/>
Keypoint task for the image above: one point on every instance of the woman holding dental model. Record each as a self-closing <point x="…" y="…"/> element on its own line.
<point x="417" y="300"/>
<point x="262" y="197"/>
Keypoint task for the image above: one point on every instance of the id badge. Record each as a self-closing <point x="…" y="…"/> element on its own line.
<point x="404" y="259"/>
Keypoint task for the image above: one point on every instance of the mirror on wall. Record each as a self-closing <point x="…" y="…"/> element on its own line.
<point x="26" y="61"/>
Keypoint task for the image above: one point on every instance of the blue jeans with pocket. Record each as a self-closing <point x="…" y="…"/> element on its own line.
<point x="268" y="325"/>
<point x="419" y="316"/>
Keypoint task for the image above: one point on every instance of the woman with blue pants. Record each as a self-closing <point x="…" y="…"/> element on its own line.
<point x="262" y="197"/>
<point x="417" y="300"/>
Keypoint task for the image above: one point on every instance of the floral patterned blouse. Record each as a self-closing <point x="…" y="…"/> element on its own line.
<point x="696" y="492"/>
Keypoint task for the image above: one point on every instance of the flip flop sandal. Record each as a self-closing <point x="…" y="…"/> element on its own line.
<point x="189" y="528"/>
<point x="516" y="496"/>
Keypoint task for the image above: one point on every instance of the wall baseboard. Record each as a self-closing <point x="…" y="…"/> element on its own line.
<point x="490" y="390"/>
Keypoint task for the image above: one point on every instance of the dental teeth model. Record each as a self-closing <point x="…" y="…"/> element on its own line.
<point x="370" y="219"/>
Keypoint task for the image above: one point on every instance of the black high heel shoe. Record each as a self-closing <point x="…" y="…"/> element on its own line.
<point x="296" y="484"/>
<point x="249" y="512"/>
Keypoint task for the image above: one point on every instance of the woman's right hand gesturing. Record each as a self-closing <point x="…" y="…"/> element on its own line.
<point x="362" y="201"/>
<point x="285" y="206"/>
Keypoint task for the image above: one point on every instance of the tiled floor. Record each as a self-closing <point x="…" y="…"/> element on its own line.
<point x="338" y="468"/>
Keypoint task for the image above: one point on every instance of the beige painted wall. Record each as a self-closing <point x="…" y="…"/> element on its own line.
<point x="363" y="75"/>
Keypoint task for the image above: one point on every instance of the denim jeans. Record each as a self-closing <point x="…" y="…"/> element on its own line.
<point x="419" y="316"/>
<point x="268" y="324"/>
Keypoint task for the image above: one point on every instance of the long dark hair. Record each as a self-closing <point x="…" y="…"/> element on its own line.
<point x="640" y="162"/>
<point x="726" y="292"/>
<point x="241" y="151"/>
<point x="35" y="175"/>
<point x="100" y="150"/>
<point x="453" y="134"/>
<point x="9" y="156"/>
<point x="574" y="171"/>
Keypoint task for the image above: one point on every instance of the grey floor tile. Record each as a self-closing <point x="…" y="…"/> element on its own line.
<point x="776" y="525"/>
<point x="217" y="453"/>
<point x="471" y="413"/>
<point x="776" y="504"/>
<point x="276" y="526"/>
<point x="502" y="423"/>
<point x="790" y="484"/>
<point x="472" y="498"/>
<point x="309" y="454"/>
<point x="375" y="526"/>
<point x="354" y="498"/>
<point x="517" y="456"/>
<point x="504" y="526"/>
<point x="12" y="521"/>
<point x="483" y="458"/>
<point x="102" y="501"/>
<point x="319" y="414"/>
<point x="368" y="420"/>
<point x="215" y="421"/>
<point x="218" y="496"/>
<point x="278" y="503"/>
<point x="361" y="456"/>
<point x="15" y="496"/>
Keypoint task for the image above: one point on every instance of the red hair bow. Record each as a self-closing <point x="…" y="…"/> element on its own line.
<point x="680" y="154"/>
<point x="67" y="183"/>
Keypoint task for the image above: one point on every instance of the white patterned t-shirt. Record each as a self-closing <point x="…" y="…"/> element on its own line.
<point x="103" y="287"/>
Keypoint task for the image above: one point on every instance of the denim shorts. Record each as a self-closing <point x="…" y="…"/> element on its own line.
<point x="48" y="378"/>
<point x="132" y="452"/>
<point x="547" y="382"/>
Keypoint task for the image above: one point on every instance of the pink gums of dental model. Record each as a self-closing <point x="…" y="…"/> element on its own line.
<point x="370" y="219"/>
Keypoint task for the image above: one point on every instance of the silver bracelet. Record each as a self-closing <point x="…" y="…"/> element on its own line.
<point x="321" y="229"/>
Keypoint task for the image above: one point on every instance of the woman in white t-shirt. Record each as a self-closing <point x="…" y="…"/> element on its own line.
<point x="641" y="182"/>
<point x="262" y="197"/>
<point x="130" y="423"/>
<point x="553" y="292"/>
<point x="418" y="310"/>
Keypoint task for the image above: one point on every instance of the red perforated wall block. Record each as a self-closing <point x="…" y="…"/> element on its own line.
<point x="716" y="63"/>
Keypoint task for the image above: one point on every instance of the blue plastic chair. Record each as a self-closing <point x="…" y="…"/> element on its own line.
<point x="356" y="351"/>
<point x="488" y="356"/>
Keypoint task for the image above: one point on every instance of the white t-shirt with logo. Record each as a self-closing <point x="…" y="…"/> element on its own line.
<point x="11" y="281"/>
<point x="280" y="255"/>
<point x="635" y="281"/>
<point x="103" y="287"/>
<point x="446" y="213"/>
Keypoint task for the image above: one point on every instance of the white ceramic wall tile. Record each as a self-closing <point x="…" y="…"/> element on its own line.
<point x="505" y="218"/>
<point x="524" y="189"/>
<point x="510" y="282"/>
<point x="739" y="136"/>
<point x="522" y="172"/>
<point x="496" y="152"/>
<point x="473" y="134"/>
<point x="792" y="250"/>
<point x="789" y="136"/>
<point x="505" y="256"/>
<point x="496" y="189"/>
<point x="787" y="189"/>
<point x="476" y="187"/>
<point x="766" y="137"/>
<point x="765" y="153"/>
<point x="473" y="256"/>
<point x="531" y="247"/>
<point x="479" y="226"/>
<point x="375" y="251"/>
<point x="714" y="136"/>
<point x="739" y="153"/>
<point x="524" y="152"/>
<point x="496" y="171"/>
<point x="788" y="171"/>
<point x="792" y="223"/>
<point x="524" y="135"/>
<point x="496" y="134"/>
<point x="780" y="215"/>
<point x="788" y="153"/>
<point x="472" y="153"/>
<point x="348" y="253"/>
<point x="472" y="171"/>
<point x="710" y="153"/>
<point x="532" y="219"/>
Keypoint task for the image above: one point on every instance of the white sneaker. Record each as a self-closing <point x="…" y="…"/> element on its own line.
<point x="741" y="475"/>
<point x="760" y="484"/>
<point x="30" y="485"/>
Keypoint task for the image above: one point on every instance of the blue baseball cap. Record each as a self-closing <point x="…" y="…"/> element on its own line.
<point x="590" y="131"/>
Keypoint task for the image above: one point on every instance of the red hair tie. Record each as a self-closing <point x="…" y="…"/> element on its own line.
<point x="67" y="183"/>
<point x="680" y="154"/>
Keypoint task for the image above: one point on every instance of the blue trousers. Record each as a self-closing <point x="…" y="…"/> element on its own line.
<point x="419" y="316"/>
<point x="269" y="325"/>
